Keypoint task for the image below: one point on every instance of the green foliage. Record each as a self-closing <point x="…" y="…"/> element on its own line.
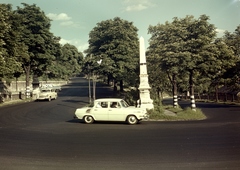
<point x="130" y="96"/>
<point x="232" y="74"/>
<point x="37" y="37"/>
<point x="67" y="63"/>
<point x="27" y="45"/>
<point x="189" y="114"/>
<point x="158" y="111"/>
<point x="186" y="52"/>
<point x="10" y="45"/>
<point x="114" y="41"/>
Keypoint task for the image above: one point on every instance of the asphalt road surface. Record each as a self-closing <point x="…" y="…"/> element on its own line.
<point x="44" y="136"/>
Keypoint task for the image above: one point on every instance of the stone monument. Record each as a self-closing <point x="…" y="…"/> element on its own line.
<point x="145" y="101"/>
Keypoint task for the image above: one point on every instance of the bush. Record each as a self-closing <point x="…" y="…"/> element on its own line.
<point x="158" y="111"/>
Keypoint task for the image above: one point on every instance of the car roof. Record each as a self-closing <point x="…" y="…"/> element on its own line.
<point x="108" y="99"/>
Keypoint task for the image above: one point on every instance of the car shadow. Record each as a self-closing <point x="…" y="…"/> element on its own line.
<point x="100" y="122"/>
<point x="75" y="101"/>
<point x="75" y="121"/>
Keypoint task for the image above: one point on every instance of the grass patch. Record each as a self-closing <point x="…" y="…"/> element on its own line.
<point x="153" y="115"/>
<point x="180" y="114"/>
<point x="189" y="114"/>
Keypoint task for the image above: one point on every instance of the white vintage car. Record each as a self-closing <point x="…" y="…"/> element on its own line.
<point x="47" y="94"/>
<point x="111" y="109"/>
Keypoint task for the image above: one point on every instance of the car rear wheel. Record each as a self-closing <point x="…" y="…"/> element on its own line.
<point x="132" y="120"/>
<point x="88" y="119"/>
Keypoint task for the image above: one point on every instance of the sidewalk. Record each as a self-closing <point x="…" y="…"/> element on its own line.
<point x="10" y="102"/>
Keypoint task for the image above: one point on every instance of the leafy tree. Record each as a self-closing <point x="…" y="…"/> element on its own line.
<point x="27" y="45"/>
<point x="158" y="79"/>
<point x="115" y="41"/>
<point x="233" y="73"/>
<point x="4" y="28"/>
<point x="164" y="52"/>
<point x="71" y="59"/>
<point x="186" y="46"/>
<point x="53" y="69"/>
<point x="10" y="44"/>
<point x="37" y="37"/>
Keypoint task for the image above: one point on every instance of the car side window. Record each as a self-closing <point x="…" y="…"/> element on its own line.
<point x="115" y="105"/>
<point x="104" y="104"/>
<point x="98" y="105"/>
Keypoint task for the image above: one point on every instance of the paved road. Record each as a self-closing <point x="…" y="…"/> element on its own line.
<point x="43" y="136"/>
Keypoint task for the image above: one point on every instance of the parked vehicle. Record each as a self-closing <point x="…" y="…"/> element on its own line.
<point x="47" y="94"/>
<point x="111" y="109"/>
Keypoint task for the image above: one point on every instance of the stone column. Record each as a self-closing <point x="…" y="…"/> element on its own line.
<point x="145" y="100"/>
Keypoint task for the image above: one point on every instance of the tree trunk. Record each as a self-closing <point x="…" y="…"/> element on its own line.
<point x="121" y="85"/>
<point x="191" y="86"/>
<point x="216" y="92"/>
<point x="108" y="80"/>
<point x="27" y="72"/>
<point x="114" y="85"/>
<point x="16" y="84"/>
<point x="159" y="94"/>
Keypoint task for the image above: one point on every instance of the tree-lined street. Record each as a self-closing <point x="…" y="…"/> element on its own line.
<point x="185" y="56"/>
<point x="43" y="135"/>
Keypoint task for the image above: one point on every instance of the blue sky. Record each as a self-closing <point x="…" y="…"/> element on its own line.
<point x="72" y="20"/>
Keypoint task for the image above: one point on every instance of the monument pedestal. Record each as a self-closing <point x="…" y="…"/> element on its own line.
<point x="145" y="100"/>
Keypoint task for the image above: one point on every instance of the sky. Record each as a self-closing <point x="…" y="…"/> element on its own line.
<point x="72" y="20"/>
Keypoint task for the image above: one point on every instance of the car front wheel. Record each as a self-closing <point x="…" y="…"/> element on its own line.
<point x="132" y="120"/>
<point x="88" y="119"/>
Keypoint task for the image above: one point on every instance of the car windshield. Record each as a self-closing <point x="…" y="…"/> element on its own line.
<point x="123" y="103"/>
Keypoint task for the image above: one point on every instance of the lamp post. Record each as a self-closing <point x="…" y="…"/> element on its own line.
<point x="94" y="81"/>
<point x="89" y="85"/>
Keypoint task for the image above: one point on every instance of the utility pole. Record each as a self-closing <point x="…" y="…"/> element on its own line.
<point x="89" y="85"/>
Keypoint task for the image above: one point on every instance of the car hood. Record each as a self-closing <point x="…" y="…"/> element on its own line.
<point x="82" y="109"/>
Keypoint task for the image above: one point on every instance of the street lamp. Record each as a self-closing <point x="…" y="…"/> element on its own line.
<point x="94" y="81"/>
<point x="94" y="77"/>
<point x="89" y="85"/>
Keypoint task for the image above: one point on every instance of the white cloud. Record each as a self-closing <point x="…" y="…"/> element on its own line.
<point x="82" y="47"/>
<point x="137" y="5"/>
<point x="220" y="32"/>
<point x="64" y="19"/>
<point x="76" y="42"/>
<point x="59" y="17"/>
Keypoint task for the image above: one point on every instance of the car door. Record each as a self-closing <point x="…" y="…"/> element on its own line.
<point x="116" y="113"/>
<point x="100" y="111"/>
